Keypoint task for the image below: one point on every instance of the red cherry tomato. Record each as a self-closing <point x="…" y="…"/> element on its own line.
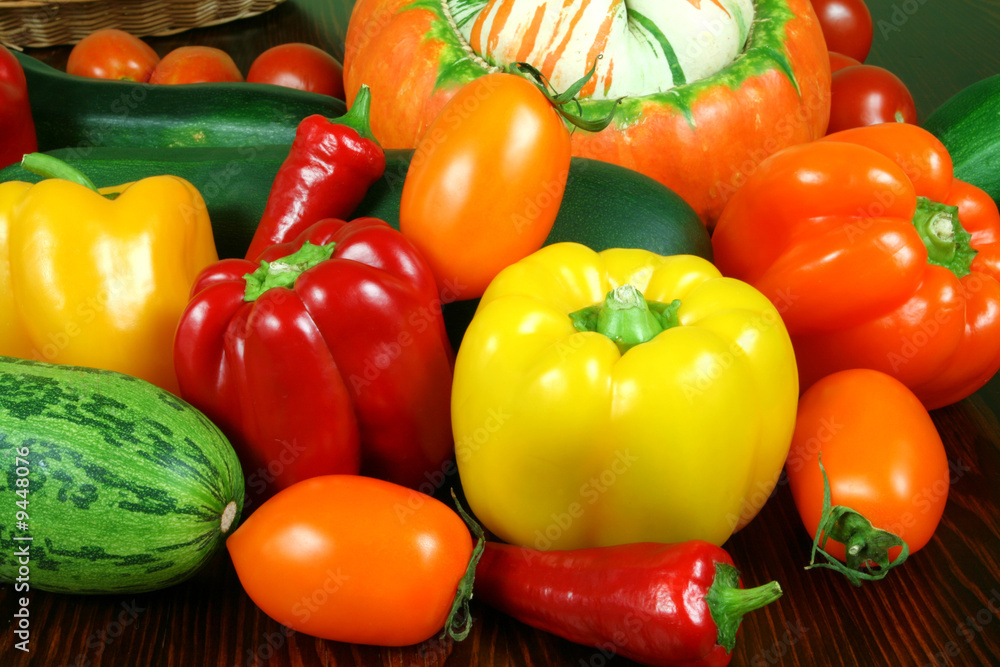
<point x="196" y="64"/>
<point x="868" y="95"/>
<point x="299" y="66"/>
<point x="847" y="26"/>
<point x="839" y="61"/>
<point x="112" y="54"/>
<point x="353" y="559"/>
<point x="881" y="452"/>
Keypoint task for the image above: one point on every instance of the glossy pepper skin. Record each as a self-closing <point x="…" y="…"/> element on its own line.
<point x="17" y="127"/>
<point x="90" y="281"/>
<point x="329" y="168"/>
<point x="657" y="604"/>
<point x="565" y="441"/>
<point x="323" y="362"/>
<point x="880" y="258"/>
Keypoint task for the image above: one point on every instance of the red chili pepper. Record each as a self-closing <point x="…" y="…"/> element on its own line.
<point x="17" y="128"/>
<point x="658" y="604"/>
<point x="327" y="173"/>
<point x="332" y="341"/>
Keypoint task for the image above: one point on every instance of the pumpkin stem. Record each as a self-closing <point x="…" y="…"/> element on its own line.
<point x="559" y="100"/>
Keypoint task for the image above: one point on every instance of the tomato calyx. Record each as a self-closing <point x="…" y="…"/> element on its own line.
<point x="946" y="240"/>
<point x="864" y="544"/>
<point x="560" y="100"/>
<point x="627" y="318"/>
<point x="459" y="621"/>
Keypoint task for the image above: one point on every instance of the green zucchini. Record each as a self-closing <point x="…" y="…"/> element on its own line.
<point x="968" y="124"/>
<point x="129" y="488"/>
<point x="604" y="205"/>
<point x="75" y="111"/>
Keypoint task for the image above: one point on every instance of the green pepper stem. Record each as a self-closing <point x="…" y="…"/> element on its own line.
<point x="358" y="116"/>
<point x="946" y="240"/>
<point x="52" y="167"/>
<point x="284" y="271"/>
<point x="728" y="603"/>
<point x="627" y="318"/>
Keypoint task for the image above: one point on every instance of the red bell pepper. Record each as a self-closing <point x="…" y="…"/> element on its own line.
<point x="876" y="256"/>
<point x="329" y="168"/>
<point x="17" y="128"/>
<point x="328" y="353"/>
<point x="658" y="604"/>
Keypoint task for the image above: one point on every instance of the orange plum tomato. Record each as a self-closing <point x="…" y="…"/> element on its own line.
<point x="881" y="451"/>
<point x="353" y="559"/>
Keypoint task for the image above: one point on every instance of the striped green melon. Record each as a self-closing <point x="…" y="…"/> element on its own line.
<point x="130" y="489"/>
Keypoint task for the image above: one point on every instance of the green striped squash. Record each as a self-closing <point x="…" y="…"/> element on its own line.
<point x="129" y="488"/>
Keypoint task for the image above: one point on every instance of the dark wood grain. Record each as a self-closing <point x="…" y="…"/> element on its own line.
<point x="941" y="608"/>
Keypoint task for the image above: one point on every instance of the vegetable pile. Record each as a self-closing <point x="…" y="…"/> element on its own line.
<point x="449" y="280"/>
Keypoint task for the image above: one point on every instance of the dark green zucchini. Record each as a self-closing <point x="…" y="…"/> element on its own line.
<point x="604" y="206"/>
<point x="968" y="124"/>
<point x="74" y="111"/>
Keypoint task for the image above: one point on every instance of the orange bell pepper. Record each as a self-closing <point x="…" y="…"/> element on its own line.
<point x="877" y="257"/>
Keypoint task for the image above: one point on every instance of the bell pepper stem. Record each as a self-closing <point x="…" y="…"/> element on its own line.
<point x="627" y="318"/>
<point x="358" y="116"/>
<point x="284" y="271"/>
<point x="864" y="544"/>
<point x="52" y="167"/>
<point x="728" y="603"/>
<point x="946" y="240"/>
<point x="459" y="622"/>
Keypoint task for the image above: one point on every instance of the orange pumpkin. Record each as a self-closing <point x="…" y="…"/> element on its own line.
<point x="701" y="138"/>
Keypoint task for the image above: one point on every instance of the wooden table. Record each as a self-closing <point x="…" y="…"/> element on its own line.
<point x="941" y="608"/>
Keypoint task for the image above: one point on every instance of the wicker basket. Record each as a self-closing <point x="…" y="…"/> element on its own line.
<point x="38" y="23"/>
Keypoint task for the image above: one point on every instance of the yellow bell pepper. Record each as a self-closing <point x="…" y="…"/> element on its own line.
<point x="90" y="281"/>
<point x="622" y="396"/>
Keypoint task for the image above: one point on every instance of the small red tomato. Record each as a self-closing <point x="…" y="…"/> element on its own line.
<point x="840" y="61"/>
<point x="300" y="66"/>
<point x="881" y="451"/>
<point x="353" y="559"/>
<point x="847" y="26"/>
<point x="196" y="64"/>
<point x="868" y="95"/>
<point x="112" y="54"/>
